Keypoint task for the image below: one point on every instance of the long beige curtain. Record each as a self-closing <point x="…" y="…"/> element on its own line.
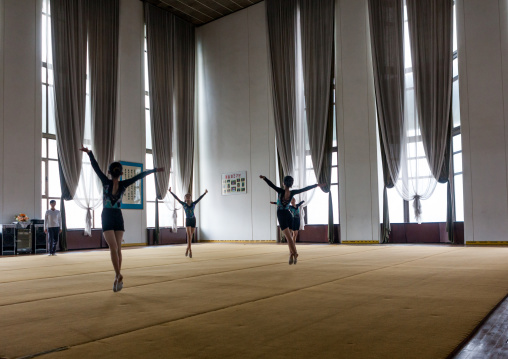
<point x="184" y="70"/>
<point x="103" y="31"/>
<point x="387" y="43"/>
<point x="431" y="34"/>
<point x="68" y="28"/>
<point x="317" y="29"/>
<point x="317" y="37"/>
<point x="281" y="18"/>
<point x="160" y="47"/>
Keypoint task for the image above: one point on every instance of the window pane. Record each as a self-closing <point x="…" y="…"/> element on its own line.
<point x="334" y="159"/>
<point x="395" y="206"/>
<point x="335" y="203"/>
<point x="43" y="35"/>
<point x="455" y="65"/>
<point x="459" y="198"/>
<point x="457" y="162"/>
<point x="335" y="176"/>
<point x="150" y="214"/>
<point x="53" y="180"/>
<point x="407" y="48"/>
<point x="44" y="114"/>
<point x="434" y="208"/>
<point x="150" y="180"/>
<point x="317" y="209"/>
<point x="454" y="29"/>
<point x="147" y="102"/>
<point x="43" y="177"/>
<point x="75" y="216"/>
<point x="334" y="122"/>
<point x="457" y="143"/>
<point x="148" y="130"/>
<point x="44" y="153"/>
<point x="52" y="151"/>
<point x="44" y="207"/>
<point x="51" y="111"/>
<point x="455" y="104"/>
<point x="165" y="216"/>
<point x="146" y="71"/>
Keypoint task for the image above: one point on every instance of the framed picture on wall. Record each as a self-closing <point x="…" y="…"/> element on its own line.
<point x="234" y="183"/>
<point x="133" y="196"/>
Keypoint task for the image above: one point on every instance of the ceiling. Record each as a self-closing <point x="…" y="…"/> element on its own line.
<point x="200" y="12"/>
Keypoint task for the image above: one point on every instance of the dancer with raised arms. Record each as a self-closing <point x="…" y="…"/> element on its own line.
<point x="112" y="219"/>
<point x="190" y="221"/>
<point x="285" y="195"/>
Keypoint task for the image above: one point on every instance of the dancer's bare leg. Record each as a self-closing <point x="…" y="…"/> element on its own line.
<point x="289" y="238"/>
<point x="190" y="232"/>
<point x="119" y="239"/>
<point x="110" y="238"/>
<point x="295" y="235"/>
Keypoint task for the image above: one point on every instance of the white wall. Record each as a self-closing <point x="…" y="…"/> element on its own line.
<point x="130" y="141"/>
<point x="235" y="126"/>
<point x="20" y="110"/>
<point x="483" y="79"/>
<point x="356" y="124"/>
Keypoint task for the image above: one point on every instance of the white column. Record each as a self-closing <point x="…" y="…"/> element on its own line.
<point x="483" y="81"/>
<point x="356" y="123"/>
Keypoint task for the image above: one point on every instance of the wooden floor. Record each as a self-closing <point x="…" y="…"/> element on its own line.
<point x="491" y="339"/>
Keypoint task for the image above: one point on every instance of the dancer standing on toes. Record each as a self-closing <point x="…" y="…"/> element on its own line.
<point x="295" y="224"/>
<point x="190" y="222"/>
<point x="283" y="215"/>
<point x="112" y="219"/>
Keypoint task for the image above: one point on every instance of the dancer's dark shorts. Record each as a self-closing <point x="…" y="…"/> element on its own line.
<point x="190" y="222"/>
<point x="295" y="224"/>
<point x="285" y="218"/>
<point x="112" y="220"/>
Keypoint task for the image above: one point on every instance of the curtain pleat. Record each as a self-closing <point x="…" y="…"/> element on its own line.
<point x="160" y="47"/>
<point x="317" y="29"/>
<point x="281" y="23"/>
<point x="103" y="31"/>
<point x="431" y="34"/>
<point x="387" y="41"/>
<point x="68" y="27"/>
<point x="184" y="72"/>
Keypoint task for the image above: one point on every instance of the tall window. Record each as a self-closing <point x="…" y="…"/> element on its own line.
<point x="317" y="210"/>
<point x="165" y="214"/>
<point x="434" y="208"/>
<point x="50" y="173"/>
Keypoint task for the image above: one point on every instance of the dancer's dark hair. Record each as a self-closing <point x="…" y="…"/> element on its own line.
<point x="288" y="181"/>
<point x="115" y="169"/>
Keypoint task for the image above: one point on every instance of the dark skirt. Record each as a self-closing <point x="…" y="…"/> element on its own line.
<point x="295" y="225"/>
<point x="285" y="218"/>
<point x="190" y="222"/>
<point x="112" y="220"/>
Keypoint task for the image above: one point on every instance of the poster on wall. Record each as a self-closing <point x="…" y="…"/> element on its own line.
<point x="234" y="183"/>
<point x="133" y="196"/>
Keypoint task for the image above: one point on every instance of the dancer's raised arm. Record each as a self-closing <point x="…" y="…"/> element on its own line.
<point x="174" y="195"/>
<point x="95" y="165"/>
<point x="141" y="175"/>
<point x="268" y="182"/>
<point x="199" y="199"/>
<point x="305" y="189"/>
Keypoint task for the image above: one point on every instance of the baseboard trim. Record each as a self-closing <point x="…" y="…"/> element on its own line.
<point x="133" y="244"/>
<point x="481" y="243"/>
<point x="360" y="242"/>
<point x="236" y="241"/>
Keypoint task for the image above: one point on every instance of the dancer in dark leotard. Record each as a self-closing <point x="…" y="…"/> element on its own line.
<point x="112" y="219"/>
<point x="283" y="215"/>
<point x="295" y="212"/>
<point x="190" y="221"/>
